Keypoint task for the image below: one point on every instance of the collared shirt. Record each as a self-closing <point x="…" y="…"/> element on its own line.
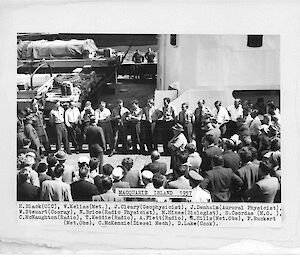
<point x="72" y="115"/>
<point x="136" y="114"/>
<point x="235" y="113"/>
<point x="221" y="115"/>
<point x="168" y="113"/>
<point x="102" y="115"/>
<point x="200" y="112"/>
<point x="57" y="115"/>
<point x="38" y="123"/>
<point x="254" y="126"/>
<point x="121" y="112"/>
<point x="185" y="117"/>
<point x="150" y="114"/>
<point x="200" y="195"/>
<point x="86" y="113"/>
<point x="55" y="190"/>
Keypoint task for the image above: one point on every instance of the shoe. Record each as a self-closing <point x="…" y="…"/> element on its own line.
<point x="77" y="152"/>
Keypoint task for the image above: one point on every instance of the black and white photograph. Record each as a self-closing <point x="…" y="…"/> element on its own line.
<point x="97" y="112"/>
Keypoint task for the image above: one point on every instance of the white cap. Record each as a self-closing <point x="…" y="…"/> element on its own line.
<point x="147" y="174"/>
<point x="267" y="155"/>
<point x="83" y="159"/>
<point x="117" y="173"/>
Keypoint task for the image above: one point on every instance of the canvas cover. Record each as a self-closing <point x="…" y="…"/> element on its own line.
<point x="43" y="49"/>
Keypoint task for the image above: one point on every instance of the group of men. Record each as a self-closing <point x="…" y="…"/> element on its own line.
<point x="227" y="154"/>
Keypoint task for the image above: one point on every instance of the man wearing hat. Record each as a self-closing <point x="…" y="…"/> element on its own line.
<point x="231" y="159"/>
<point x="147" y="176"/>
<point x="96" y="140"/>
<point x="57" y="119"/>
<point x="199" y="195"/>
<point x="177" y="143"/>
<point x="117" y="175"/>
<point x="68" y="174"/>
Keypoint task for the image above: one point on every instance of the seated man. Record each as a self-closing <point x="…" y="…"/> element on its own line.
<point x="156" y="166"/>
<point x="83" y="190"/>
<point x="132" y="176"/>
<point x="194" y="158"/>
<point x="147" y="176"/>
<point x="180" y="182"/>
<point x="158" y="181"/>
<point x="117" y="175"/>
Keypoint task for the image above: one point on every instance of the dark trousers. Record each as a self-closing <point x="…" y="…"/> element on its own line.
<point x="167" y="132"/>
<point x="45" y="142"/>
<point x="74" y="133"/>
<point x="61" y="135"/>
<point x="199" y="133"/>
<point x="108" y="133"/>
<point x="96" y="151"/>
<point x="135" y="131"/>
<point x="120" y="134"/>
<point x="147" y="136"/>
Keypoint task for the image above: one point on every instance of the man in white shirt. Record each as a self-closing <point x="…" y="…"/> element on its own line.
<point x="103" y="116"/>
<point x="73" y="122"/>
<point x="56" y="118"/>
<point x="199" y="194"/>
<point x="221" y="116"/>
<point x="235" y="112"/>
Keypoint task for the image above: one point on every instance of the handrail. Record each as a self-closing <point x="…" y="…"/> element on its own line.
<point x="41" y="65"/>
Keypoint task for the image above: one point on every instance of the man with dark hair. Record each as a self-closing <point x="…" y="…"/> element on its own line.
<point x="260" y="106"/>
<point x="41" y="170"/>
<point x="231" y="159"/>
<point x="210" y="151"/>
<point x="25" y="190"/>
<point x="254" y="159"/>
<point x="26" y="148"/>
<point x="132" y="176"/>
<point x="186" y="118"/>
<point x="52" y="161"/>
<point x="150" y="55"/>
<point x="96" y="141"/>
<point x="94" y="167"/>
<point x="248" y="171"/>
<point x="20" y="128"/>
<point x="119" y="124"/>
<point x="31" y="133"/>
<point x="57" y="119"/>
<point x="83" y="190"/>
<point x="156" y="166"/>
<point x="180" y="182"/>
<point x="104" y="186"/>
<point x="56" y="189"/>
<point x="168" y="115"/>
<point x="220" y="181"/>
<point x="137" y="58"/>
<point x="73" y="123"/>
<point x="266" y="188"/>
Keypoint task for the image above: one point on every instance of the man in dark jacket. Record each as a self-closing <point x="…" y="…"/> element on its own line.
<point x="210" y="151"/>
<point x="25" y="190"/>
<point x="231" y="159"/>
<point x="156" y="166"/>
<point x="95" y="140"/>
<point x="83" y="190"/>
<point x="220" y="181"/>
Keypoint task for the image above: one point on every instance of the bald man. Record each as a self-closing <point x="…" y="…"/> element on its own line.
<point x="156" y="166"/>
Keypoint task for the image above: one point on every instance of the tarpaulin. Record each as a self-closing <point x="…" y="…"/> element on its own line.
<point x="56" y="49"/>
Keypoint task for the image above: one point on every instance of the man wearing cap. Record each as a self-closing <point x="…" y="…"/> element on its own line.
<point x="210" y="129"/>
<point x="156" y="166"/>
<point x="103" y="116"/>
<point x="199" y="195"/>
<point x="186" y="118"/>
<point x="96" y="141"/>
<point x="221" y="182"/>
<point x="39" y="126"/>
<point x="56" y="119"/>
<point x="194" y="158"/>
<point x="83" y="190"/>
<point x="147" y="176"/>
<point x="68" y="175"/>
<point x="177" y="143"/>
<point x="31" y="133"/>
<point x="26" y="148"/>
<point x="119" y="115"/>
<point x="73" y="123"/>
<point x="117" y="175"/>
<point x="231" y="159"/>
